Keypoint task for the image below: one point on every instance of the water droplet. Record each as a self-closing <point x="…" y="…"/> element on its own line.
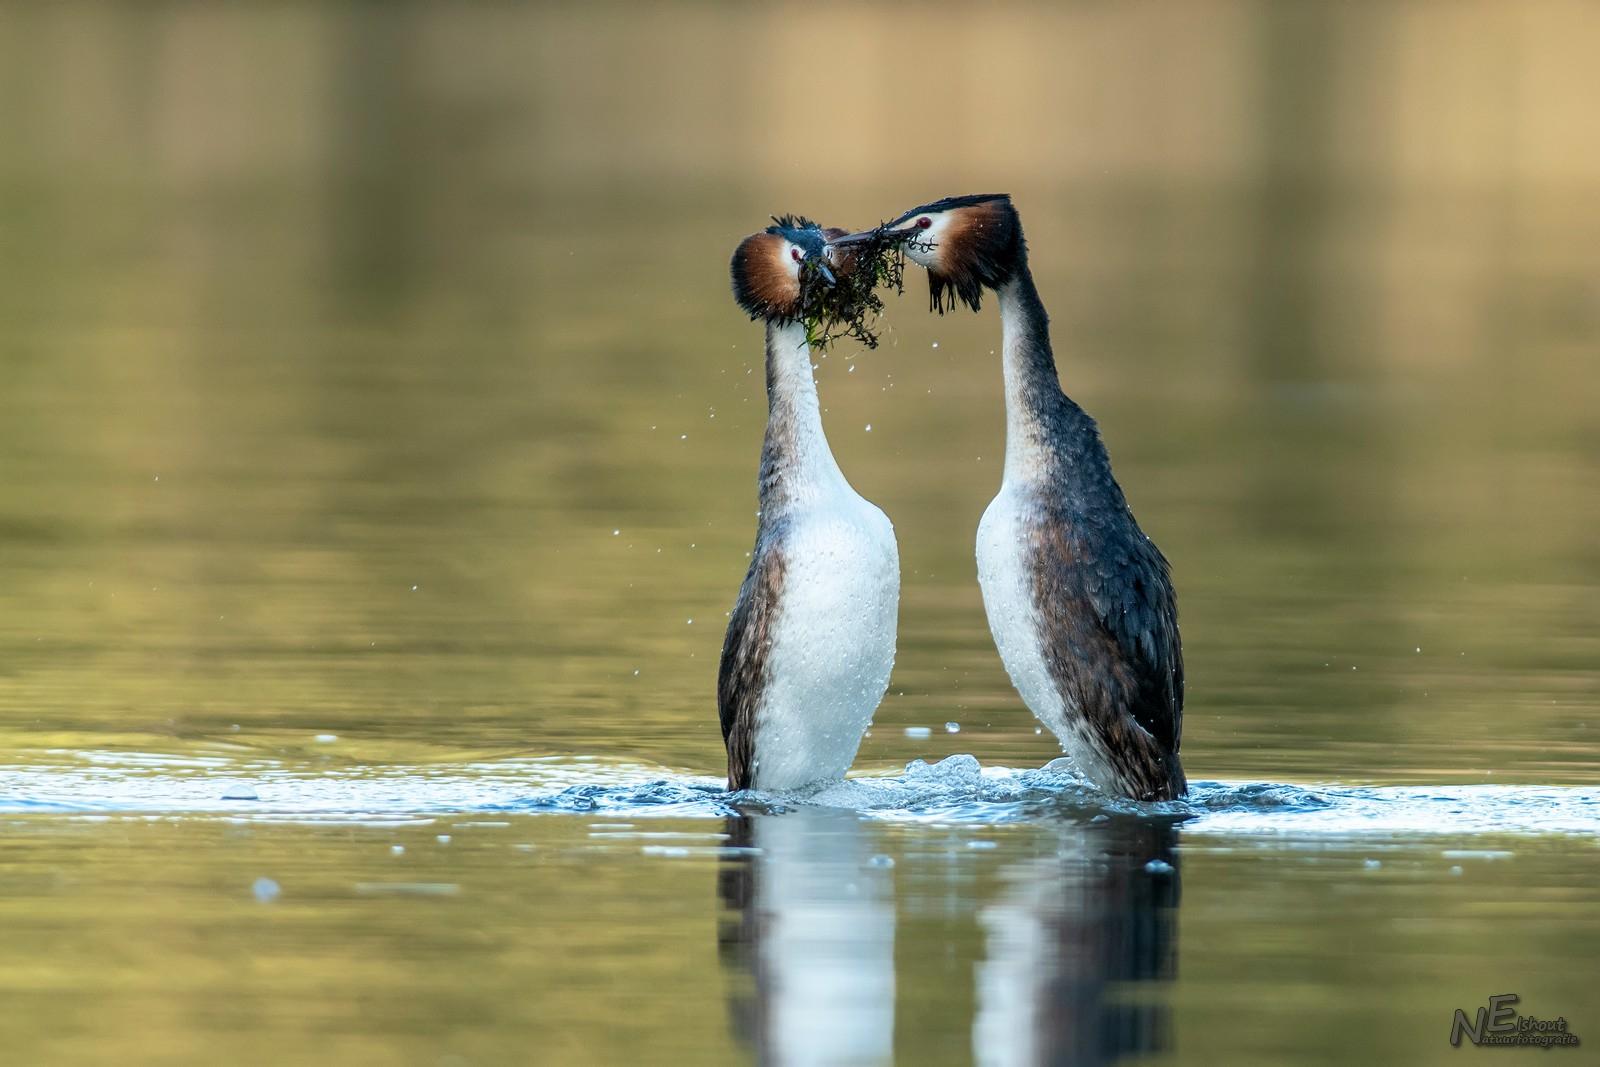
<point x="443" y="839"/>
<point x="398" y="850"/>
<point x="266" y="890"/>
<point x="952" y="728"/>
<point x="1158" y="867"/>
<point x="918" y="731"/>
<point x="869" y="427"/>
<point x="325" y="739"/>
<point x="616" y="533"/>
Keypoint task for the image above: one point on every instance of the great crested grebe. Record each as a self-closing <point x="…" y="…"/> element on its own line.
<point x="811" y="640"/>
<point x="1079" y="600"/>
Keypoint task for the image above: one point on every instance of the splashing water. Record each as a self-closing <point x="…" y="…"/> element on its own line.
<point x="957" y="789"/>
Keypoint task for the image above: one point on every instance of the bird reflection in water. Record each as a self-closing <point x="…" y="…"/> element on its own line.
<point x="810" y="925"/>
<point x="808" y="938"/>
<point x="1068" y="942"/>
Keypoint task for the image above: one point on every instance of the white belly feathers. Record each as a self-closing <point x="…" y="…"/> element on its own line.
<point x="833" y="642"/>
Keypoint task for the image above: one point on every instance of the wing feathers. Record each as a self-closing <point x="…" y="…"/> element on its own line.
<point x="746" y="650"/>
<point x="1111" y="641"/>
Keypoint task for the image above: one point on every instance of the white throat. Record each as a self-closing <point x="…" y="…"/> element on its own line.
<point x="813" y="470"/>
<point x="1025" y="449"/>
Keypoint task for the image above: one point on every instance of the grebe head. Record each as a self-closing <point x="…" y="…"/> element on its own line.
<point x="778" y="273"/>
<point x="966" y="244"/>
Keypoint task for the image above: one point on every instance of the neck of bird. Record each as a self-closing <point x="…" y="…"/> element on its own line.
<point x="796" y="463"/>
<point x="1033" y="390"/>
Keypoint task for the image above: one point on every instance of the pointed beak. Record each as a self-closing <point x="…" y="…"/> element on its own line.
<point x="867" y="236"/>
<point x="827" y="275"/>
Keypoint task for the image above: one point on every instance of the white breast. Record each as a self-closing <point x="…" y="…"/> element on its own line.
<point x="1005" y="573"/>
<point x="833" y="642"/>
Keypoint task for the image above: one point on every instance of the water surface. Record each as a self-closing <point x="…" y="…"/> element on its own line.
<point x="379" y="439"/>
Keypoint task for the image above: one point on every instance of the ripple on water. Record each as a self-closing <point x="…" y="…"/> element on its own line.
<point x="957" y="789"/>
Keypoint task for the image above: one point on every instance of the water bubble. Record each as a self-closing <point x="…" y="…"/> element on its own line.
<point x="869" y="427"/>
<point x="952" y="728"/>
<point x="266" y="890"/>
<point x="1158" y="867"/>
<point x="325" y="739"/>
<point x="616" y="533"/>
<point x="1037" y="730"/>
<point x="398" y="850"/>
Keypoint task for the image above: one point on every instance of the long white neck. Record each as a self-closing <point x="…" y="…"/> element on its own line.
<point x="1033" y="391"/>
<point x="796" y="462"/>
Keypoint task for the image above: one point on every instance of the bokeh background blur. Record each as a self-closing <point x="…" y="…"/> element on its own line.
<point x="370" y="369"/>
<point x="304" y="306"/>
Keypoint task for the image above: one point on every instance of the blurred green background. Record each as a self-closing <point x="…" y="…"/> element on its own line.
<point x="370" y="369"/>
<point x="303" y="306"/>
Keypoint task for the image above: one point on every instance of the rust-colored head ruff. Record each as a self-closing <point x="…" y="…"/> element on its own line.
<point x="790" y="272"/>
<point x="966" y="243"/>
<point x="773" y="270"/>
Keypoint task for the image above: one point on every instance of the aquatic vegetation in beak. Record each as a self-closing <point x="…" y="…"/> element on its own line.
<point x="849" y="308"/>
<point x="827" y="279"/>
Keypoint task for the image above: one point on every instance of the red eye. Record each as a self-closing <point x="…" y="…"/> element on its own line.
<point x="794" y="254"/>
<point x="924" y="222"/>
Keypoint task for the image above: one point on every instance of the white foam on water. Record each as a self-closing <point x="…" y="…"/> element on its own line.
<point x="957" y="790"/>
